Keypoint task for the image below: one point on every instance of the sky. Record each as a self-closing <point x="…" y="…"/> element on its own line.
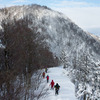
<point x="85" y="13"/>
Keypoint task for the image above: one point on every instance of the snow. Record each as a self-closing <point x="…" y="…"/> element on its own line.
<point x="67" y="88"/>
<point x="1" y="45"/>
<point x="58" y="30"/>
<point x="61" y="35"/>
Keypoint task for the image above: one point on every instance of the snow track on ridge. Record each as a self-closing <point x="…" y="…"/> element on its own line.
<point x="67" y="88"/>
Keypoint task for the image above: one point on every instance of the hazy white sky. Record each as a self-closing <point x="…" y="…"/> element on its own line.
<point x="85" y="13"/>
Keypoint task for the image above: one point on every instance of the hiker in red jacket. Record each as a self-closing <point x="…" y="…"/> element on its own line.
<point x="43" y="74"/>
<point x="47" y="78"/>
<point x="52" y="84"/>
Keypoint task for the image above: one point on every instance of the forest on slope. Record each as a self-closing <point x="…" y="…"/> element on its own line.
<point x="24" y="53"/>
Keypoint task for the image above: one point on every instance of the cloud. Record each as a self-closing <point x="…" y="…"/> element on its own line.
<point x="85" y="15"/>
<point x="1" y="6"/>
<point x="18" y="1"/>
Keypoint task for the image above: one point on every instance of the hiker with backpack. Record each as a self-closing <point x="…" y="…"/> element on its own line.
<point x="47" y="78"/>
<point x="46" y="70"/>
<point x="43" y="74"/>
<point x="56" y="88"/>
<point x="52" y="84"/>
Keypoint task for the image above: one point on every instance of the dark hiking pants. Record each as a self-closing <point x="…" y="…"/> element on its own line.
<point x="56" y="91"/>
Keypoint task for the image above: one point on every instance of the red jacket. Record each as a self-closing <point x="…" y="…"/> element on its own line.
<point x="43" y="74"/>
<point x="47" y="77"/>
<point x="52" y="83"/>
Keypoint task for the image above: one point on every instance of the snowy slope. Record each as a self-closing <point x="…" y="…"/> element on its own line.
<point x="64" y="38"/>
<point x="61" y="34"/>
<point x="67" y="88"/>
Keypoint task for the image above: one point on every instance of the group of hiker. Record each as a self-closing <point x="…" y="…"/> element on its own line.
<point x="52" y="84"/>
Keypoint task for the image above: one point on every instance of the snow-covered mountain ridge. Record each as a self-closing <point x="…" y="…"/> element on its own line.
<point x="60" y="32"/>
<point x="78" y="50"/>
